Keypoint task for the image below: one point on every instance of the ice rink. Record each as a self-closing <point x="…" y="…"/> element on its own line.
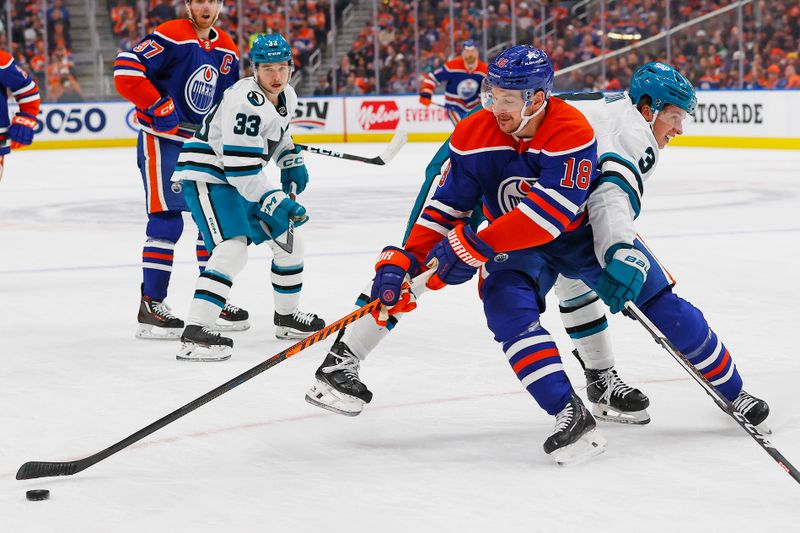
<point x="451" y="442"/>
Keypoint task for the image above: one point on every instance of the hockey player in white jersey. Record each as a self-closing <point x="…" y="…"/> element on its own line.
<point x="629" y="138"/>
<point x="223" y="176"/>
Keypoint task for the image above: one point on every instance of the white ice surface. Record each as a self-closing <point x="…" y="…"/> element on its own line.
<point x="451" y="441"/>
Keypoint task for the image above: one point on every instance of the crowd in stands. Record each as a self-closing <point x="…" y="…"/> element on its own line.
<point x="43" y="50"/>
<point x="771" y="36"/>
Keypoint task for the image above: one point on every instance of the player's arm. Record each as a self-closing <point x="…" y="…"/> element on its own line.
<point x="133" y="70"/>
<point x="26" y="93"/>
<point x="553" y="203"/>
<point x="294" y="174"/>
<point x="429" y="84"/>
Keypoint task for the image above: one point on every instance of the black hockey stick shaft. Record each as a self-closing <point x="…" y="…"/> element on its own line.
<point x="341" y="155"/>
<point x="720" y="400"/>
<point x="36" y="469"/>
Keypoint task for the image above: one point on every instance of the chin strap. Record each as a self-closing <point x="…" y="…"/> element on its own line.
<point x="526" y="119"/>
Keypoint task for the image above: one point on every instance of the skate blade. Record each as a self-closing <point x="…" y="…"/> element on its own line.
<point x="609" y="414"/>
<point x="284" y="333"/>
<point x="764" y="428"/>
<point x="590" y="444"/>
<point x="225" y="325"/>
<point x="150" y="332"/>
<point x="324" y="396"/>
<point x="201" y="354"/>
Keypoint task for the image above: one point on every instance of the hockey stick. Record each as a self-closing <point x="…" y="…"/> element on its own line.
<point x="721" y="401"/>
<point x="37" y="469"/>
<point x="398" y="141"/>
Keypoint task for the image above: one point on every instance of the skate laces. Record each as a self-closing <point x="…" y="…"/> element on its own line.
<point x="231" y="309"/>
<point x="744" y="402"/>
<point x="564" y="418"/>
<point x="304" y="318"/>
<point x="613" y="384"/>
<point x="349" y="364"/>
<point x="163" y="310"/>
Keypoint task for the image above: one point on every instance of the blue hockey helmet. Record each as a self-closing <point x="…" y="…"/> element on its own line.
<point x="271" y="48"/>
<point x="524" y="68"/>
<point x="664" y="85"/>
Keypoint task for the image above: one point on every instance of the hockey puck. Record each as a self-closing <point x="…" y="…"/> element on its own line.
<point x="38" y="495"/>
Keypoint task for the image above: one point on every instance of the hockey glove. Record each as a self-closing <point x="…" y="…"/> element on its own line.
<point x="294" y="175"/>
<point x="460" y="255"/>
<point x="393" y="271"/>
<point x="425" y="99"/>
<point x="21" y="130"/>
<point x="623" y="278"/>
<point x="165" y="118"/>
<point x="277" y="210"/>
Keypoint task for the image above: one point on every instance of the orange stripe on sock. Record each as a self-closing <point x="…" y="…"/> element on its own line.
<point x="534" y="357"/>
<point x="720" y="367"/>
<point x="154" y="255"/>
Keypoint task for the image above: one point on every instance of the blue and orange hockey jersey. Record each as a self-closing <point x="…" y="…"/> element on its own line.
<point x="462" y="88"/>
<point x="174" y="61"/>
<point x="25" y="92"/>
<point x="532" y="189"/>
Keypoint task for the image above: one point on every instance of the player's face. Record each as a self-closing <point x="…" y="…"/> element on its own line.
<point x="204" y="12"/>
<point x="273" y="77"/>
<point x="506" y="105"/>
<point x="470" y="55"/>
<point x="668" y="124"/>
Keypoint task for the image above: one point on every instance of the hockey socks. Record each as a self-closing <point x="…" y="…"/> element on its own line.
<point x="287" y="282"/>
<point x="210" y="295"/>
<point x="157" y="259"/>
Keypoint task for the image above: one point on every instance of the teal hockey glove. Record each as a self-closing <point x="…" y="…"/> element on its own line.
<point x="294" y="175"/>
<point x="277" y="210"/>
<point x="623" y="278"/>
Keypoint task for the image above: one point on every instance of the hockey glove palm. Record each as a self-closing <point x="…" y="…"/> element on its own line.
<point x="393" y="271"/>
<point x="460" y="255"/>
<point x="623" y="278"/>
<point x="21" y="130"/>
<point x="425" y="99"/>
<point x="277" y="210"/>
<point x="165" y="118"/>
<point x="294" y="175"/>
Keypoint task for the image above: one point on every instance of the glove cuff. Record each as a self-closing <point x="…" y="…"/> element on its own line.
<point x="465" y="250"/>
<point x="392" y="255"/>
<point x="25" y="119"/>
<point x="630" y="256"/>
<point x="162" y="107"/>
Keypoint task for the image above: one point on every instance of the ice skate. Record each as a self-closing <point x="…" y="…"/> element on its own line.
<point x="338" y="388"/>
<point x="297" y="325"/>
<point x="204" y="344"/>
<point x="575" y="437"/>
<point x="232" y="318"/>
<point x="755" y="410"/>
<point x="156" y="321"/>
<point x="613" y="400"/>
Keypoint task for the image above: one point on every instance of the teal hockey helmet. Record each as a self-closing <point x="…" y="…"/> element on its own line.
<point x="664" y="85"/>
<point x="271" y="48"/>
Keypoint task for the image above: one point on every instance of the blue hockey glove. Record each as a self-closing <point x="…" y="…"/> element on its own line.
<point x="393" y="271"/>
<point x="277" y="210"/>
<point x="460" y="255"/>
<point x="21" y="130"/>
<point x="165" y="118"/>
<point x="294" y="175"/>
<point x="623" y="278"/>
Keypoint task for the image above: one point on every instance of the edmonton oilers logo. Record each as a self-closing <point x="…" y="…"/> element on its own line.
<point x="467" y="88"/>
<point x="200" y="87"/>
<point x="511" y="192"/>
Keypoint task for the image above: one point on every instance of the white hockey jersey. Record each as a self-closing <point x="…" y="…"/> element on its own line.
<point x="627" y="154"/>
<point x="237" y="139"/>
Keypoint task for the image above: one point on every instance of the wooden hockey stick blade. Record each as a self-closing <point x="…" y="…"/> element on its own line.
<point x="632" y="310"/>
<point x="399" y="139"/>
<point x="37" y="469"/>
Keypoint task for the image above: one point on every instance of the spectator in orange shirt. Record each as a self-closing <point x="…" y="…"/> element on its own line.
<point x="791" y="78"/>
<point x="773" y="75"/>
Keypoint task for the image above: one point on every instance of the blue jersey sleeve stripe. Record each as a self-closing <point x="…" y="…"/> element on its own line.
<point x="618" y="180"/>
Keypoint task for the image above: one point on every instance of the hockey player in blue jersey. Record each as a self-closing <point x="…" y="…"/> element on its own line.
<point x="18" y="131"/>
<point x="173" y="76"/>
<point x="518" y="268"/>
<point x="222" y="173"/>
<point x="462" y="77"/>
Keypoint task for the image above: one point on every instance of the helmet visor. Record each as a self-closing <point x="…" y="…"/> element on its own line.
<point x="673" y="116"/>
<point x="499" y="100"/>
